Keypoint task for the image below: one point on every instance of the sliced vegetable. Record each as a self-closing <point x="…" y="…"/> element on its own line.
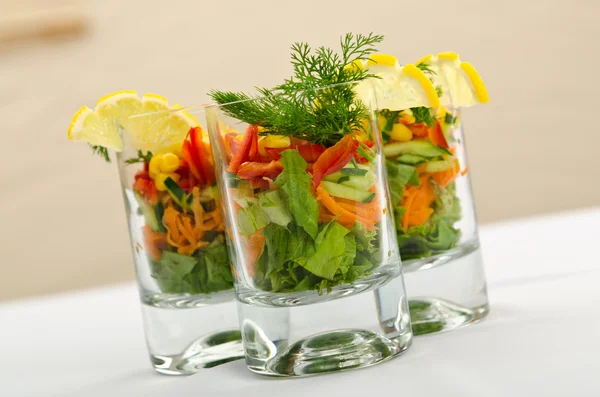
<point x="411" y="159"/>
<point x="255" y="170"/>
<point x="196" y="154"/>
<point x="349" y="193"/>
<point x="354" y="171"/>
<point x="148" y="212"/>
<point x="440" y="165"/>
<point x="334" y="158"/>
<point x="420" y="130"/>
<point x="444" y="178"/>
<point x="243" y="153"/>
<point x="176" y="192"/>
<point x="419" y="147"/>
<point x="436" y="136"/>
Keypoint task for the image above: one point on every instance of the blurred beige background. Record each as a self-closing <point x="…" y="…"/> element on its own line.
<point x="533" y="149"/>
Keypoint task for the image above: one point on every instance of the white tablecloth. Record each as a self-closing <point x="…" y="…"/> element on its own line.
<point x="542" y="337"/>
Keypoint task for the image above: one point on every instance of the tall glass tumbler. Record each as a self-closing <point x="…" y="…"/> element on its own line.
<point x="435" y="217"/>
<point x="310" y="249"/>
<point x="180" y="254"/>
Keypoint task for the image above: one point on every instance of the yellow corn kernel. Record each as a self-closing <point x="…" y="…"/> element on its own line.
<point x="277" y="141"/>
<point x="159" y="180"/>
<point x="169" y="163"/>
<point x="261" y="146"/>
<point x="401" y="133"/>
<point x="155" y="166"/>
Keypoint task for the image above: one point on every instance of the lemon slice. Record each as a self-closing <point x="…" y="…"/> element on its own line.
<point x="101" y="126"/>
<point x="398" y="87"/>
<point x="460" y="83"/>
<point x="158" y="126"/>
<point x="148" y="124"/>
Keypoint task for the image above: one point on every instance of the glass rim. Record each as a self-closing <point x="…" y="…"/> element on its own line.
<point x="192" y="109"/>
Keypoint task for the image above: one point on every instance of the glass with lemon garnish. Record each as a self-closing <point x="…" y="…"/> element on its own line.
<point x="176" y="228"/>
<point x="423" y="143"/>
<point x="309" y="224"/>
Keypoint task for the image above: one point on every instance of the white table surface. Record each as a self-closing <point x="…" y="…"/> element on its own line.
<point x="542" y="337"/>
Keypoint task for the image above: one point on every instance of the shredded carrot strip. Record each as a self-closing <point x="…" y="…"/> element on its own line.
<point x="417" y="201"/>
<point x="344" y="216"/>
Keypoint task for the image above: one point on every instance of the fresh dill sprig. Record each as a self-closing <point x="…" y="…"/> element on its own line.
<point x="449" y="118"/>
<point x="300" y="106"/>
<point x="423" y="114"/>
<point x="141" y="158"/>
<point x="101" y="151"/>
<point x="439" y="91"/>
<point x="425" y="68"/>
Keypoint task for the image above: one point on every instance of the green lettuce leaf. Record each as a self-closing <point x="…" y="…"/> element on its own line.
<point x="274" y="206"/>
<point x="208" y="271"/>
<point x="252" y="218"/>
<point x="296" y="183"/>
<point x="332" y="251"/>
<point x="171" y="271"/>
<point x="365" y="240"/>
<point x="398" y="176"/>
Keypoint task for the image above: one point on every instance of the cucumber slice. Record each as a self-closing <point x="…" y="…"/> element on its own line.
<point x="419" y="147"/>
<point x="358" y="182"/>
<point x="411" y="159"/>
<point x="333" y="177"/>
<point x="343" y="179"/>
<point x="176" y="192"/>
<point x="354" y="171"/>
<point x="148" y="212"/>
<point x="349" y="193"/>
<point x="438" y="166"/>
<point x="344" y="171"/>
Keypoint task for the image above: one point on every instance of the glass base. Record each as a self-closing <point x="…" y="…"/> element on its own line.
<point x="334" y="335"/>
<point x="446" y="291"/>
<point x="429" y="315"/>
<point x="207" y="352"/>
<point x="186" y="335"/>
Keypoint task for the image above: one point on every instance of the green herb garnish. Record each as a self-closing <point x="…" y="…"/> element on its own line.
<point x="101" y="151"/>
<point x="423" y="114"/>
<point x="449" y="119"/>
<point x="300" y="107"/>
<point x="141" y="158"/>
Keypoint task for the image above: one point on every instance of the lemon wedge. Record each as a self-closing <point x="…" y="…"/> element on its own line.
<point x="397" y="87"/>
<point x="460" y="83"/>
<point x="148" y="123"/>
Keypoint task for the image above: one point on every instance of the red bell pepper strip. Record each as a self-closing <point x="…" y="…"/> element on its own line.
<point x="196" y="154"/>
<point x="310" y="152"/>
<point x="334" y="158"/>
<point x="275" y="154"/>
<point x="243" y="153"/>
<point x="254" y="170"/>
<point x="436" y="135"/>
<point x="145" y="187"/>
<point x="420" y="130"/>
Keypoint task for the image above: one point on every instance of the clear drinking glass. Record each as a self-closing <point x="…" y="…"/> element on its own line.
<point x="306" y="249"/>
<point x="179" y="249"/>
<point x="435" y="218"/>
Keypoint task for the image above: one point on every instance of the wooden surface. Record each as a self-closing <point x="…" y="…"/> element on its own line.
<point x="533" y="149"/>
